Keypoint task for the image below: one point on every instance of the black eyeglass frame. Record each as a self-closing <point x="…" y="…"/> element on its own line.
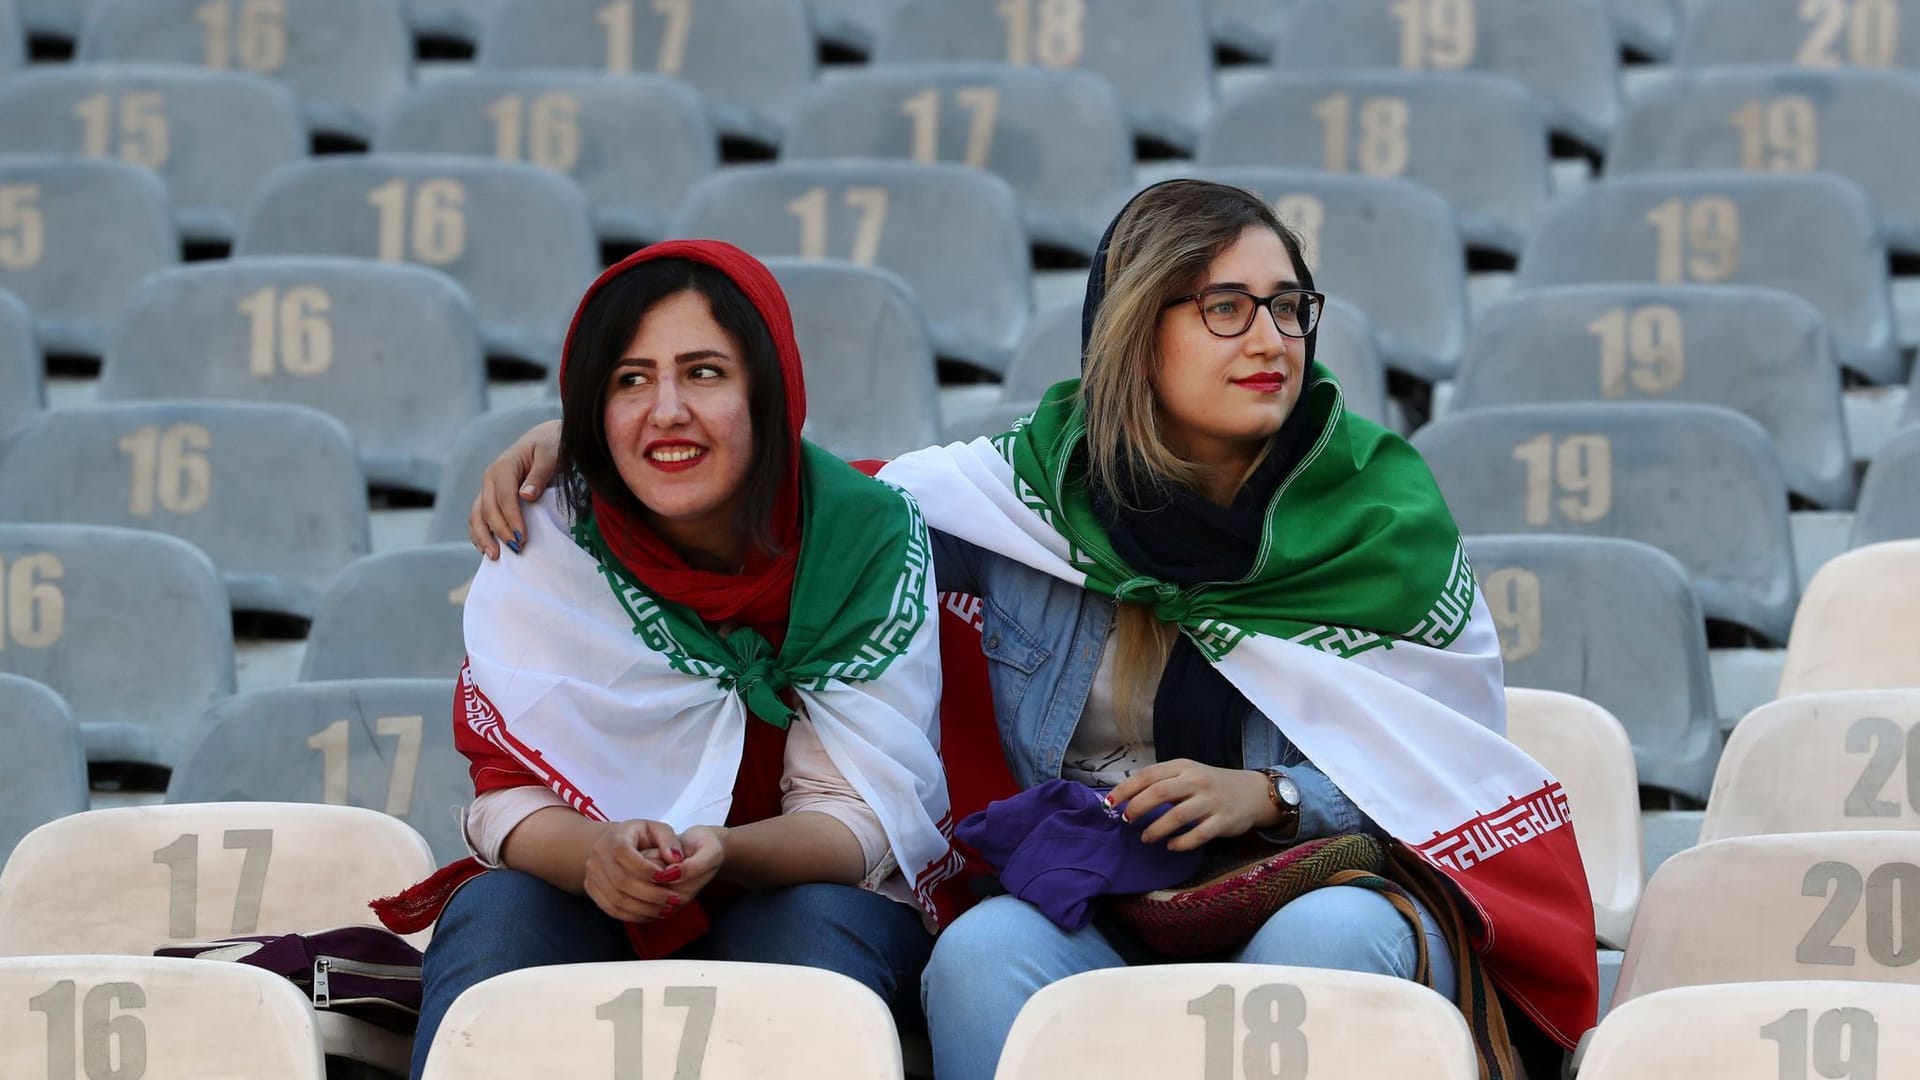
<point x="1318" y="299"/>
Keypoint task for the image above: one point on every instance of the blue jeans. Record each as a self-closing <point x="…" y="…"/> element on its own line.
<point x="505" y="920"/>
<point x="993" y="958"/>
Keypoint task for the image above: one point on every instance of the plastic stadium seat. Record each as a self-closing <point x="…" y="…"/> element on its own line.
<point x="481" y="442"/>
<point x="390" y="351"/>
<point x="346" y="60"/>
<point x="22" y="380"/>
<point x="1850" y="33"/>
<point x="750" y="59"/>
<point x="991" y="420"/>
<point x="635" y="143"/>
<point x="158" y="1018"/>
<point x="52" y="18"/>
<point x="1890" y="497"/>
<point x="1854" y="629"/>
<point x="1841" y="1029"/>
<point x="272" y="493"/>
<point x="1762" y="352"/>
<point x="1474" y="138"/>
<point x="1345" y="342"/>
<point x="1059" y="138"/>
<point x="1822" y="762"/>
<point x="871" y="389"/>
<point x="1648" y="27"/>
<point x="1586" y="749"/>
<point x="1761" y="908"/>
<point x="1249" y="27"/>
<point x="13" y="38"/>
<point x="1563" y="52"/>
<point x="1049" y="353"/>
<point x="76" y="235"/>
<point x="952" y="233"/>
<point x="1614" y="622"/>
<point x="130" y="628"/>
<point x="1683" y="478"/>
<point x="700" y="1019"/>
<point x="853" y="25"/>
<point x="395" y="615"/>
<point x="211" y="135"/>
<point x="1173" y="1019"/>
<point x="517" y="237"/>
<point x="1154" y="52"/>
<point x="1785" y="119"/>
<point x="45" y="773"/>
<point x="461" y="20"/>
<point x="1812" y="235"/>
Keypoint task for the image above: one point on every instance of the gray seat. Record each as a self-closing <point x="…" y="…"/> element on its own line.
<point x="346" y="60"/>
<point x="53" y="18"/>
<point x="1345" y="342"/>
<point x="1058" y="138"/>
<point x="750" y="59"/>
<point x="13" y="38"/>
<point x="211" y="135"/>
<point x="395" y="615"/>
<point x="871" y="388"/>
<point x="22" y="379"/>
<point x="1154" y="52"/>
<point x="271" y="493"/>
<point x="76" y="236"/>
<point x="1700" y="482"/>
<point x="460" y="20"/>
<point x="1249" y="27"/>
<point x="1049" y="353"/>
<point x="1784" y="119"/>
<point x="1474" y="138"/>
<point x="990" y="420"/>
<point x="380" y="744"/>
<point x="1850" y="34"/>
<point x="952" y="233"/>
<point x="518" y="238"/>
<point x="634" y="143"/>
<point x="852" y="25"/>
<point x="1763" y="352"/>
<point x="1562" y="52"/>
<point x="1813" y="235"/>
<point x="390" y="351"/>
<point x="481" y="442"/>
<point x="1890" y="497"/>
<point x="130" y="628"/>
<point x="45" y="771"/>
<point x="1648" y="27"/>
<point x="1615" y="622"/>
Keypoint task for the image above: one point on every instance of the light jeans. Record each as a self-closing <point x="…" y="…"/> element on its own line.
<point x="986" y="965"/>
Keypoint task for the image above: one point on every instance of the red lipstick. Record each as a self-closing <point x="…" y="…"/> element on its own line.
<point x="1265" y="382"/>
<point x="673" y="444"/>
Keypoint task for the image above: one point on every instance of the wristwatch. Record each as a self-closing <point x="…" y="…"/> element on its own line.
<point x="1286" y="798"/>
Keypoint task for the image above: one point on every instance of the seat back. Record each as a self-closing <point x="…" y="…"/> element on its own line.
<point x="1836" y="1029"/>
<point x="1249" y="27"/>
<point x="1820" y="762"/>
<point x="477" y="445"/>
<point x="394" y="615"/>
<point x="461" y="20"/>
<point x="22" y="376"/>
<point x="1647" y="27"/>
<point x="13" y="38"/>
<point x="852" y="25"/>
<point x="51" y="18"/>
<point x="1890" y="496"/>
<point x="1877" y="33"/>
<point x="1854" y="629"/>
<point x="45" y="772"/>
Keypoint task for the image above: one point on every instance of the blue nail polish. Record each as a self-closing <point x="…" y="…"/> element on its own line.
<point x="518" y="539"/>
<point x="514" y="546"/>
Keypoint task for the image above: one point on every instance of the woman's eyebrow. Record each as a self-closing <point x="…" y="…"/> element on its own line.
<point x="1282" y="285"/>
<point x="693" y="357"/>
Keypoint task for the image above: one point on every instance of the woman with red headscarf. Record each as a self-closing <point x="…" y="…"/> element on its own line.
<point x="701" y="710"/>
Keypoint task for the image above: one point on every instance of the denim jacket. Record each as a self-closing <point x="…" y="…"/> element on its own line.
<point x="1044" y="638"/>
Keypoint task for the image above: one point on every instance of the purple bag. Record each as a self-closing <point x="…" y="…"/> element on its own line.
<point x="364" y="972"/>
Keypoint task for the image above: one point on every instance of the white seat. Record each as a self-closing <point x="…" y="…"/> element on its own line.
<point x="1826" y="762"/>
<point x="1854" y="629"/>
<point x="1587" y="750"/>
<point x="667" y="1018"/>
<point x="1840" y="1029"/>
<point x="1186" y="1020"/>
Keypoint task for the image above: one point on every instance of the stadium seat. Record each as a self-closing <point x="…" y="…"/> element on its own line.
<point x="59" y="19"/>
<point x="272" y="493"/>
<point x="130" y="628"/>
<point x="750" y="59"/>
<point x="346" y="60"/>
<point x="13" y="38"/>
<point x="1586" y="749"/>
<point x="1837" y="1029"/>
<point x="1890" y="497"/>
<point x="45" y="771"/>
<point x="1614" y="622"/>
<point x="1049" y="353"/>
<point x="22" y="378"/>
<point x="1248" y="27"/>
<point x="1474" y="138"/>
<point x="395" y="615"/>
<point x="1683" y="478"/>
<point x="155" y="1018"/>
<point x="1855" y="628"/>
<point x="1154" y="52"/>
<point x="851" y="25"/>
<point x="478" y="444"/>
<point x="871" y="390"/>
<point x="1820" y="762"/>
<point x="952" y="233"/>
<point x="1345" y="342"/>
<point x="459" y="20"/>
<point x="76" y="236"/>
<point x="1647" y="27"/>
<point x="1846" y="33"/>
<point x="1812" y="235"/>
<point x="211" y="135"/>
<point x="1760" y="351"/>
<point x="382" y="744"/>
<point x="1563" y="52"/>
<point x="1762" y="908"/>
<point x="1058" y="138"/>
<point x="1185" y="1020"/>
<point x="634" y="143"/>
<point x="390" y="351"/>
<point x="991" y="419"/>
<point x="517" y="237"/>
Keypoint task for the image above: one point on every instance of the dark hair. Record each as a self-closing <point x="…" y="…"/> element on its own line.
<point x="606" y="327"/>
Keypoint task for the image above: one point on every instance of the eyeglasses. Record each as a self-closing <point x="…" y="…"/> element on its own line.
<point x="1229" y="312"/>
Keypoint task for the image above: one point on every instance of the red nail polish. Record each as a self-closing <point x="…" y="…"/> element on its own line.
<point x="677" y="857"/>
<point x="670" y="874"/>
<point x="672" y="902"/>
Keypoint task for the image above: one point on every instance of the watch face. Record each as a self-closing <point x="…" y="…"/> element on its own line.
<point x="1288" y="791"/>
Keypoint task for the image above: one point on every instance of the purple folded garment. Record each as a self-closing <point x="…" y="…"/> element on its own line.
<point x="1057" y="846"/>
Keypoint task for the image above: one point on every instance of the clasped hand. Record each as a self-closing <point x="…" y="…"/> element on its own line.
<point x="1217" y="803"/>
<point x="640" y="871"/>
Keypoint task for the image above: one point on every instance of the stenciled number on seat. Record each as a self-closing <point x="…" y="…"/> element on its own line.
<point x="140" y="120"/>
<point x="1643" y="349"/>
<point x="1513" y="596"/>
<point x="251" y="32"/>
<point x="334" y="743"/>
<point x="170" y="469"/>
<point x="182" y="860"/>
<point x="438" y="233"/>
<point x="618" y="18"/>
<point x="23" y="231"/>
<point x="33" y="610"/>
<point x="811" y="209"/>
<point x="1580" y="467"/>
<point x="1051" y="33"/>
<point x="1883" y="739"/>
<point x="625" y="1013"/>
<point x="1305" y="215"/>
<point x="1699" y="239"/>
<point x="1437" y="34"/>
<point x="289" y="331"/>
<point x="1780" y="134"/>
<point x="923" y="108"/>
<point x="1275" y="1048"/>
<point x="1872" y="29"/>
<point x="1854" y="1029"/>
<point x="1382" y="148"/>
<point x="545" y="132"/>
<point x="1892" y="929"/>
<point x="102" y="1037"/>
